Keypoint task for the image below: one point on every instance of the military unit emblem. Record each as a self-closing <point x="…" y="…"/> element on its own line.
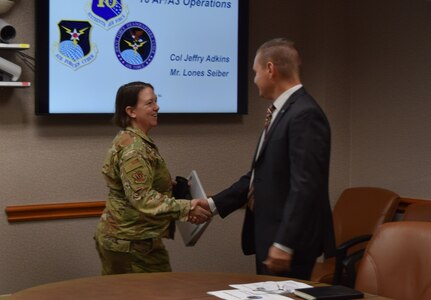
<point x="134" y="43"/>
<point x="139" y="177"/>
<point x="107" y="13"/>
<point x="74" y="49"/>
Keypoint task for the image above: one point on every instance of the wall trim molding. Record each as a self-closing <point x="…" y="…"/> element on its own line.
<point x="72" y="210"/>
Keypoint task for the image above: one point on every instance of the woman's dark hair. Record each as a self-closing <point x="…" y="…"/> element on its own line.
<point x="127" y="95"/>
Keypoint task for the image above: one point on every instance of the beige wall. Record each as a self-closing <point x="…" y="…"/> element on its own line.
<point x="366" y="62"/>
<point x="390" y="95"/>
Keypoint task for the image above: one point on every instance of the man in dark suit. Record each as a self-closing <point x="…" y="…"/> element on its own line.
<point x="288" y="219"/>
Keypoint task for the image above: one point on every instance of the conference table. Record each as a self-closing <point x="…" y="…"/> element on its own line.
<point x="154" y="286"/>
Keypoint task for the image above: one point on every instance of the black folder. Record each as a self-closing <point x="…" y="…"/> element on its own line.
<point x="335" y="292"/>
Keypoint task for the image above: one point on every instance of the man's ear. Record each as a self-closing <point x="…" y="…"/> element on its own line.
<point x="270" y="68"/>
<point x="130" y="111"/>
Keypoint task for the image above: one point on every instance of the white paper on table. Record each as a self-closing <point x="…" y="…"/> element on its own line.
<point x="273" y="287"/>
<point x="245" y="295"/>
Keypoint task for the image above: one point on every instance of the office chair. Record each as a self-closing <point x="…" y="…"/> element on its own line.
<point x="413" y="212"/>
<point x="418" y="212"/>
<point x="356" y="215"/>
<point x="397" y="262"/>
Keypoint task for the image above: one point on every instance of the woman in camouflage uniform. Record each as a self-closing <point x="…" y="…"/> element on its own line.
<point x="140" y="210"/>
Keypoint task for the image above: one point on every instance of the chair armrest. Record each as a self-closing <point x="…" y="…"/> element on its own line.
<point x="349" y="264"/>
<point x="341" y="254"/>
<point x="352" y="242"/>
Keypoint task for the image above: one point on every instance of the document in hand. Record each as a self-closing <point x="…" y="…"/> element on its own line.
<point x="192" y="232"/>
<point x="335" y="292"/>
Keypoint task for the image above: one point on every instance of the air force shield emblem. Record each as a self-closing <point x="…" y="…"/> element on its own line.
<point x="74" y="48"/>
<point x="107" y="13"/>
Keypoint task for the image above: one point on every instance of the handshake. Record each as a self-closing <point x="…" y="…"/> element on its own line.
<point x="200" y="211"/>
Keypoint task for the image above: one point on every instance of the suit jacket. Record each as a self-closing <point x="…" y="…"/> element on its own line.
<point x="291" y="205"/>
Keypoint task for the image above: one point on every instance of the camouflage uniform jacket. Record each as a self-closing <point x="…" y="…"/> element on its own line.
<point x="139" y="204"/>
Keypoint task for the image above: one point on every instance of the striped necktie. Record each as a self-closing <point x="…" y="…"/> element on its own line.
<point x="268" y="118"/>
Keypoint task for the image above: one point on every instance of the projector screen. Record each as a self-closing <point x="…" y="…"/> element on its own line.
<point x="194" y="53"/>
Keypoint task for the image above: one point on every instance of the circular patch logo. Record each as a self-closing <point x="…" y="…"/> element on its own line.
<point x="135" y="45"/>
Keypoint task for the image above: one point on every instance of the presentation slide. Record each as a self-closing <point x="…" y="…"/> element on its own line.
<point x="187" y="49"/>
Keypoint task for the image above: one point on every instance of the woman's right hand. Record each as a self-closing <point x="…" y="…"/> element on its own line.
<point x="198" y="214"/>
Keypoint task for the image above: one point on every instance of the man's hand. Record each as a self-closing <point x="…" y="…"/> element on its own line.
<point x="278" y="261"/>
<point x="202" y="202"/>
<point x="199" y="211"/>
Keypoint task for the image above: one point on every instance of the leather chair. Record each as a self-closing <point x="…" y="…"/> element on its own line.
<point x="413" y="212"/>
<point x="356" y="215"/>
<point x="397" y="262"/>
<point x="418" y="212"/>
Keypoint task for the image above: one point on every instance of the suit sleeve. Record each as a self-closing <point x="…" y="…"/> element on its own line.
<point x="233" y="197"/>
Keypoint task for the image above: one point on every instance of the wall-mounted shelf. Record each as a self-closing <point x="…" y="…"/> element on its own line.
<point x="14" y="46"/>
<point x="15" y="83"/>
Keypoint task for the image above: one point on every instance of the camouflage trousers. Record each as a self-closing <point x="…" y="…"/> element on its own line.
<point x="144" y="256"/>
